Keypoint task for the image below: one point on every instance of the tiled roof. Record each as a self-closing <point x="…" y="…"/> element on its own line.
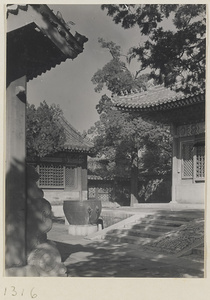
<point x="74" y="140"/>
<point x="108" y="178"/>
<point x="55" y="20"/>
<point x="158" y="98"/>
<point x="96" y="177"/>
<point x="40" y="43"/>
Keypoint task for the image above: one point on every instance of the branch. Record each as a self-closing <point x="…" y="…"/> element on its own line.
<point x="139" y="71"/>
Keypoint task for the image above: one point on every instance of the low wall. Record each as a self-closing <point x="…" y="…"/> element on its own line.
<point x="110" y="217"/>
<point x="57" y="211"/>
<point x="58" y="196"/>
<point x="194" y="193"/>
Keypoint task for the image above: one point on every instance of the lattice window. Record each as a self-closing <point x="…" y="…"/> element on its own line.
<point x="92" y="192"/>
<point x="187" y="160"/>
<point x="51" y="175"/>
<point x="70" y="177"/>
<point x="193" y="161"/>
<point x="104" y="192"/>
<point x="104" y="188"/>
<point x="104" y="197"/>
<point x="200" y="161"/>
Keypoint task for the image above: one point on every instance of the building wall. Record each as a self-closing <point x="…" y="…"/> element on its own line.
<point x="187" y="186"/>
<point x="152" y="190"/>
<point x="58" y="196"/>
<point x="72" y="188"/>
<point x="110" y="193"/>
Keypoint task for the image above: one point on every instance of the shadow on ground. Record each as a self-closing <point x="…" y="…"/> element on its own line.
<point x="105" y="259"/>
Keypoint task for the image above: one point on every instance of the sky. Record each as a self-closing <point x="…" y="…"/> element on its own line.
<point x="69" y="84"/>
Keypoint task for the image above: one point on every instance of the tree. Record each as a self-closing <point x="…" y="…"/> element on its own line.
<point x="176" y="55"/>
<point x="44" y="134"/>
<point x="119" y="136"/>
<point x="115" y="75"/>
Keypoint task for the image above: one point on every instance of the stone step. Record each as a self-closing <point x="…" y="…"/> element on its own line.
<point x="151" y="227"/>
<point x="161" y="222"/>
<point x="146" y="233"/>
<point x="144" y="227"/>
<point x="171" y="217"/>
<point x="127" y="239"/>
<point x="195" y="213"/>
<point x="136" y="233"/>
<point x="166" y="219"/>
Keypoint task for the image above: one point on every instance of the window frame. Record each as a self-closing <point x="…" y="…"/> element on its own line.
<point x="75" y="177"/>
<point x="50" y="186"/>
<point x="63" y="186"/>
<point x="195" y="177"/>
<point x="183" y="177"/>
<point x="194" y="144"/>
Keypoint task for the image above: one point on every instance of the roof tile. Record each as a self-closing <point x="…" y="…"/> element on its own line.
<point x="157" y="98"/>
<point x="74" y="139"/>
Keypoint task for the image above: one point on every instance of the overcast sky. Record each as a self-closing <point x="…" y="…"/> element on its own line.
<point x="69" y="84"/>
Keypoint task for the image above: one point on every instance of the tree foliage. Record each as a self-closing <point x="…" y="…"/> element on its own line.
<point x="118" y="136"/>
<point x="176" y="54"/>
<point x="44" y="134"/>
<point x="115" y="75"/>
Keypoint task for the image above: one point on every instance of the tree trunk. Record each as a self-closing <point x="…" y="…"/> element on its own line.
<point x="134" y="178"/>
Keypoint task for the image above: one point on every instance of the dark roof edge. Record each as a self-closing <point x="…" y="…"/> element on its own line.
<point x="170" y="103"/>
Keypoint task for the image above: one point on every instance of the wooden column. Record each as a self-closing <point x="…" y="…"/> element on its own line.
<point x="84" y="179"/>
<point x="175" y="174"/>
<point x="134" y="178"/>
<point x="15" y="174"/>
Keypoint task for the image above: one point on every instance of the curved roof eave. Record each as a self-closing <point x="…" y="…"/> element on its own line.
<point x="158" y="99"/>
<point x="39" y="24"/>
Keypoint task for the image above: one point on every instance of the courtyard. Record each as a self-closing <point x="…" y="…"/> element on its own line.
<point x="144" y="133"/>
<point x="99" y="256"/>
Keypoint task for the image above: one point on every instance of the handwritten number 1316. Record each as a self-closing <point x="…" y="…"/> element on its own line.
<point x="13" y="292"/>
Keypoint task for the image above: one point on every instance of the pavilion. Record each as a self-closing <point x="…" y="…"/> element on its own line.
<point x="186" y="116"/>
<point x="63" y="175"/>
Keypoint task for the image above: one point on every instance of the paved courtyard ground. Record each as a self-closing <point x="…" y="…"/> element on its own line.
<point x="104" y="258"/>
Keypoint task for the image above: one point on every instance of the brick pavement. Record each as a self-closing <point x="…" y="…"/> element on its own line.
<point x="85" y="258"/>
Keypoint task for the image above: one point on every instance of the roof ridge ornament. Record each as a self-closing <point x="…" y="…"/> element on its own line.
<point x="68" y="24"/>
<point x="14" y="8"/>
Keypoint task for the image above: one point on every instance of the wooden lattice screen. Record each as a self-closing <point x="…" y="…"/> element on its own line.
<point x="200" y="162"/>
<point x="51" y="175"/>
<point x="187" y="158"/>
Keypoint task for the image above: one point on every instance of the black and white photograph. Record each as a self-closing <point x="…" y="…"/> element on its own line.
<point x="105" y="141"/>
